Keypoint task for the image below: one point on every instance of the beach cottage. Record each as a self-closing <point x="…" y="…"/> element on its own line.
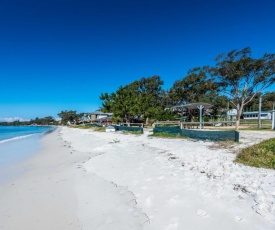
<point x="265" y="115"/>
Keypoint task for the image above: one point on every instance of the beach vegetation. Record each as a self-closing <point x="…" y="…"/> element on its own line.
<point x="236" y="81"/>
<point x="98" y="129"/>
<point x="140" y="100"/>
<point x="136" y="132"/>
<point x="261" y="155"/>
<point x="82" y="126"/>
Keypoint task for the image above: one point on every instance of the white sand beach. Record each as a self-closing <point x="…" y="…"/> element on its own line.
<point x="91" y="180"/>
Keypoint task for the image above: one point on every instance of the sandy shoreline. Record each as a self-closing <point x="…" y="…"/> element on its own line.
<point x="91" y="180"/>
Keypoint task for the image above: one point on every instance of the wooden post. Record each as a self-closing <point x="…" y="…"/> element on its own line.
<point x="259" y="112"/>
<point x="273" y="119"/>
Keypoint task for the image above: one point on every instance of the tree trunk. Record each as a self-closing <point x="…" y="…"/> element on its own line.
<point x="238" y="117"/>
<point x="239" y="113"/>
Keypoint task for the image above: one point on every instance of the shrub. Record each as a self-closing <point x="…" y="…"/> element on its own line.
<point x="261" y="155"/>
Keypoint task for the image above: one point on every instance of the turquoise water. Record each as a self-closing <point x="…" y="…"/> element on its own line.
<point x="8" y="133"/>
<point x="17" y="143"/>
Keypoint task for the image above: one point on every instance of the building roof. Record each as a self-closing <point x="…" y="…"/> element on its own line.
<point x="98" y="112"/>
<point x="256" y="112"/>
<point x="193" y="106"/>
<point x="104" y="119"/>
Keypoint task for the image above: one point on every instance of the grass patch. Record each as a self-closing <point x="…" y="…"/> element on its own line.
<point x="82" y="127"/>
<point x="138" y="132"/>
<point x="168" y="135"/>
<point x="255" y="121"/>
<point x="261" y="155"/>
<point x="99" y="129"/>
<point x="93" y="127"/>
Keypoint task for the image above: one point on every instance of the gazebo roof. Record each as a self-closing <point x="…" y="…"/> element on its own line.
<point x="193" y="106"/>
<point x="197" y="104"/>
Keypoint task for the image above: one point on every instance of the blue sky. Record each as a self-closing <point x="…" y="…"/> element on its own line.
<point x="62" y="54"/>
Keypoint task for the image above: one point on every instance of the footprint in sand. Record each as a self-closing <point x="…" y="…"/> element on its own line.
<point x="237" y="218"/>
<point x="174" y="200"/>
<point x="149" y="201"/>
<point x="174" y="224"/>
<point x="201" y="213"/>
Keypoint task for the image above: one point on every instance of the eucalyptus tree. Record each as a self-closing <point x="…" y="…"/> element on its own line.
<point x="242" y="77"/>
<point x="197" y="86"/>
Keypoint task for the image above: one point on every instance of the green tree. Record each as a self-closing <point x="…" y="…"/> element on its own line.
<point x="66" y="116"/>
<point x="242" y="77"/>
<point x="197" y="86"/>
<point x="121" y="103"/>
<point x="141" y="99"/>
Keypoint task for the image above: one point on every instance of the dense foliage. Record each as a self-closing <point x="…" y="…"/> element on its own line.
<point x="139" y="100"/>
<point x="242" y="77"/>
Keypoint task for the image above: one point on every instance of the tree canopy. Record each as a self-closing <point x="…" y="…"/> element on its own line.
<point x="140" y="99"/>
<point x="242" y="77"/>
<point x="235" y="81"/>
<point x="70" y="116"/>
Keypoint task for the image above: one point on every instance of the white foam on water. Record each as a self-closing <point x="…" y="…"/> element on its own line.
<point x="15" y="138"/>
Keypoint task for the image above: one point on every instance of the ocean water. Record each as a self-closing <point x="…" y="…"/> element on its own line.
<point x="17" y="143"/>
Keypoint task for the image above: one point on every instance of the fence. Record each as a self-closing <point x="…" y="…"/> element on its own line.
<point x="200" y="134"/>
<point x="167" y="129"/>
<point x="212" y="135"/>
<point x="129" y="128"/>
<point x="131" y="124"/>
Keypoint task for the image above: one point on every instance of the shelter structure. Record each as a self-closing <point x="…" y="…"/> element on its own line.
<point x="200" y="106"/>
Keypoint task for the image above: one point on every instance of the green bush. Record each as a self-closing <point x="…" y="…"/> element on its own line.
<point x="261" y="155"/>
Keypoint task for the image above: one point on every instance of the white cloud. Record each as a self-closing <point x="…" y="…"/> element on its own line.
<point x="11" y="119"/>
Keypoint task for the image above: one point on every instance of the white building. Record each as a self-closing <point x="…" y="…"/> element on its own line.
<point x="232" y="114"/>
<point x="265" y="115"/>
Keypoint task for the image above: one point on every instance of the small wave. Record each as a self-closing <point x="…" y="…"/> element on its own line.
<point x="50" y="131"/>
<point x="15" y="138"/>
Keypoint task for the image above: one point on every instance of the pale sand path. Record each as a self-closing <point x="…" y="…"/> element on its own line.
<point x="55" y="193"/>
<point x="180" y="184"/>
